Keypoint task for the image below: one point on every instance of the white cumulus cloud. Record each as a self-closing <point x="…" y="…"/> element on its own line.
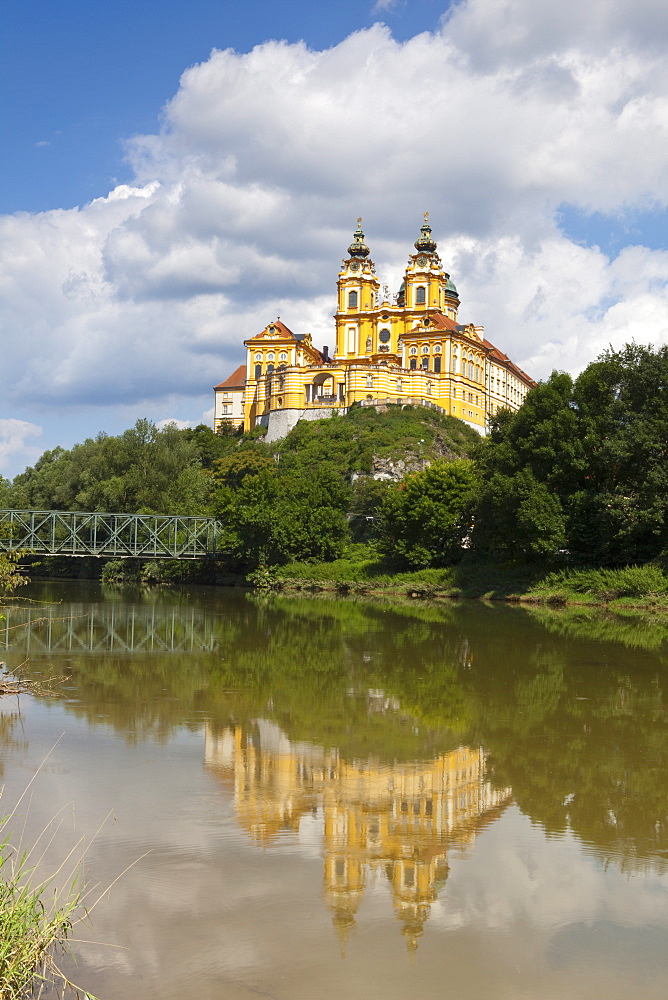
<point x="13" y="435"/>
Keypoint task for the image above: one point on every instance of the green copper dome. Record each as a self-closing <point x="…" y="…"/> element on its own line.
<point x="450" y="288"/>
<point x="358" y="247"/>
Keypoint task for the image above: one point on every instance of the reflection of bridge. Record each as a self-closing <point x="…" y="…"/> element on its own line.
<point x="85" y="628"/>
<point x="114" y="536"/>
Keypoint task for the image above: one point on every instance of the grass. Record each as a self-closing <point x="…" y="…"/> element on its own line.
<point x="37" y="915"/>
<point x="361" y="571"/>
<point x="35" y="921"/>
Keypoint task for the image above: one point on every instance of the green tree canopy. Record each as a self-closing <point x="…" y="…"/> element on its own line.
<point x="425" y="519"/>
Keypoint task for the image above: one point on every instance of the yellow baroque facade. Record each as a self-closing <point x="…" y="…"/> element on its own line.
<point x="407" y="348"/>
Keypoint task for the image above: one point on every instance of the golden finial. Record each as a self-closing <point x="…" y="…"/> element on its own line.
<point x="426" y="218"/>
<point x="359" y="222"/>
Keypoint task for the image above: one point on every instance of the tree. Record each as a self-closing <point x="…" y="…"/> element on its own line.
<point x="272" y="518"/>
<point x="518" y="516"/>
<point x="426" y="518"/>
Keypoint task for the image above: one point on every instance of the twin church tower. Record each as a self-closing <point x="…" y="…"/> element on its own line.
<point x="407" y="348"/>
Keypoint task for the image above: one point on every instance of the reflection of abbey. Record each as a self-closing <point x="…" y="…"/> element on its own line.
<point x="407" y="348"/>
<point x="389" y="822"/>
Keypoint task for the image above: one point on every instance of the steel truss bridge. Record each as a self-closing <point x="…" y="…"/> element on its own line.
<point x="111" y="536"/>
<point x="77" y="628"/>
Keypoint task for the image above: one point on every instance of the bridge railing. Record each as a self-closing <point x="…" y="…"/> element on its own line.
<point x="117" y="536"/>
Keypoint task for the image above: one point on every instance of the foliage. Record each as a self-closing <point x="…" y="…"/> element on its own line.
<point x="143" y="470"/>
<point x="11" y="573"/>
<point x="600" y="447"/>
<point x="348" y="443"/>
<point x="518" y="516"/>
<point x="426" y="518"/>
<point x="368" y="496"/>
<point x="272" y="518"/>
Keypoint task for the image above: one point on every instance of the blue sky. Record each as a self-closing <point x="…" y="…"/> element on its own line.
<point x="81" y="76"/>
<point x="173" y="178"/>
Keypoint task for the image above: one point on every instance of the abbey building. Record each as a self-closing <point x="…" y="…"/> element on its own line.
<point x="407" y="348"/>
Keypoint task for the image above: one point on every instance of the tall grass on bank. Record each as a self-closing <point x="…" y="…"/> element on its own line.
<point x="35" y="921"/>
<point x="37" y="913"/>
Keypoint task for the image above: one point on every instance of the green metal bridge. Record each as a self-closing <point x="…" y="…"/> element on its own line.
<point x="110" y="536"/>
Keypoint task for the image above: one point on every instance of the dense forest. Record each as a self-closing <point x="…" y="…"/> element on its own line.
<point x="578" y="474"/>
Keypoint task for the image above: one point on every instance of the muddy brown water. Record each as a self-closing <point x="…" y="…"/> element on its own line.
<point x="338" y="800"/>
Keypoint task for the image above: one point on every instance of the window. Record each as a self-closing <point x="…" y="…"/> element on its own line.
<point x="437" y="364"/>
<point x="437" y="348"/>
<point x="283" y="356"/>
<point x="384" y="336"/>
<point x="413" y="350"/>
<point x="413" y="363"/>
<point x="425" y="348"/>
<point x="226" y="409"/>
<point x="258" y="357"/>
<point x="271" y="356"/>
<point x="270" y="369"/>
<point x="425" y="363"/>
<point x="352" y="300"/>
<point x="470" y="370"/>
<point x="258" y="371"/>
<point x="420" y="296"/>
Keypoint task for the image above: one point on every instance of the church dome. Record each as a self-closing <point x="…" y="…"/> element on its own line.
<point x="450" y="289"/>
<point x="424" y="243"/>
<point x="358" y="247"/>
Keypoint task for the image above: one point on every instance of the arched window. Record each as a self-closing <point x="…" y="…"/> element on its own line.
<point x="258" y="357"/>
<point x="413" y="350"/>
<point x="283" y="356"/>
<point x="420" y="296"/>
<point x="413" y="363"/>
<point x="270" y="369"/>
<point x="470" y="370"/>
<point x="258" y="371"/>
<point x="271" y="356"/>
<point x="425" y="363"/>
<point x="437" y="363"/>
<point x="425" y="348"/>
<point x="437" y="348"/>
<point x="352" y="300"/>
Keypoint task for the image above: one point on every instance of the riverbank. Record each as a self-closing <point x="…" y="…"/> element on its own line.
<point x="362" y="573"/>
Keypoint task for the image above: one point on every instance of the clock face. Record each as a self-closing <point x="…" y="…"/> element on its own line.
<point x="355" y="266"/>
<point x="422" y="260"/>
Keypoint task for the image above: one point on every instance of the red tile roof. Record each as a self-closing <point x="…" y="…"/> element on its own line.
<point x="282" y="329"/>
<point x="237" y="379"/>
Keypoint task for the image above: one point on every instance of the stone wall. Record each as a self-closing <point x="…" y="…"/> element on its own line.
<point x="279" y="423"/>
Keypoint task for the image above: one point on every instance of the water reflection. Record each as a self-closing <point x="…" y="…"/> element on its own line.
<point x="393" y="823"/>
<point x="98" y="628"/>
<point x="304" y="769"/>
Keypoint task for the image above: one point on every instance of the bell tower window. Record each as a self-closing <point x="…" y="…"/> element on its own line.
<point x="420" y="295"/>
<point x="352" y="300"/>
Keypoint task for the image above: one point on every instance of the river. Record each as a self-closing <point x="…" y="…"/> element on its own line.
<point x="334" y="800"/>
